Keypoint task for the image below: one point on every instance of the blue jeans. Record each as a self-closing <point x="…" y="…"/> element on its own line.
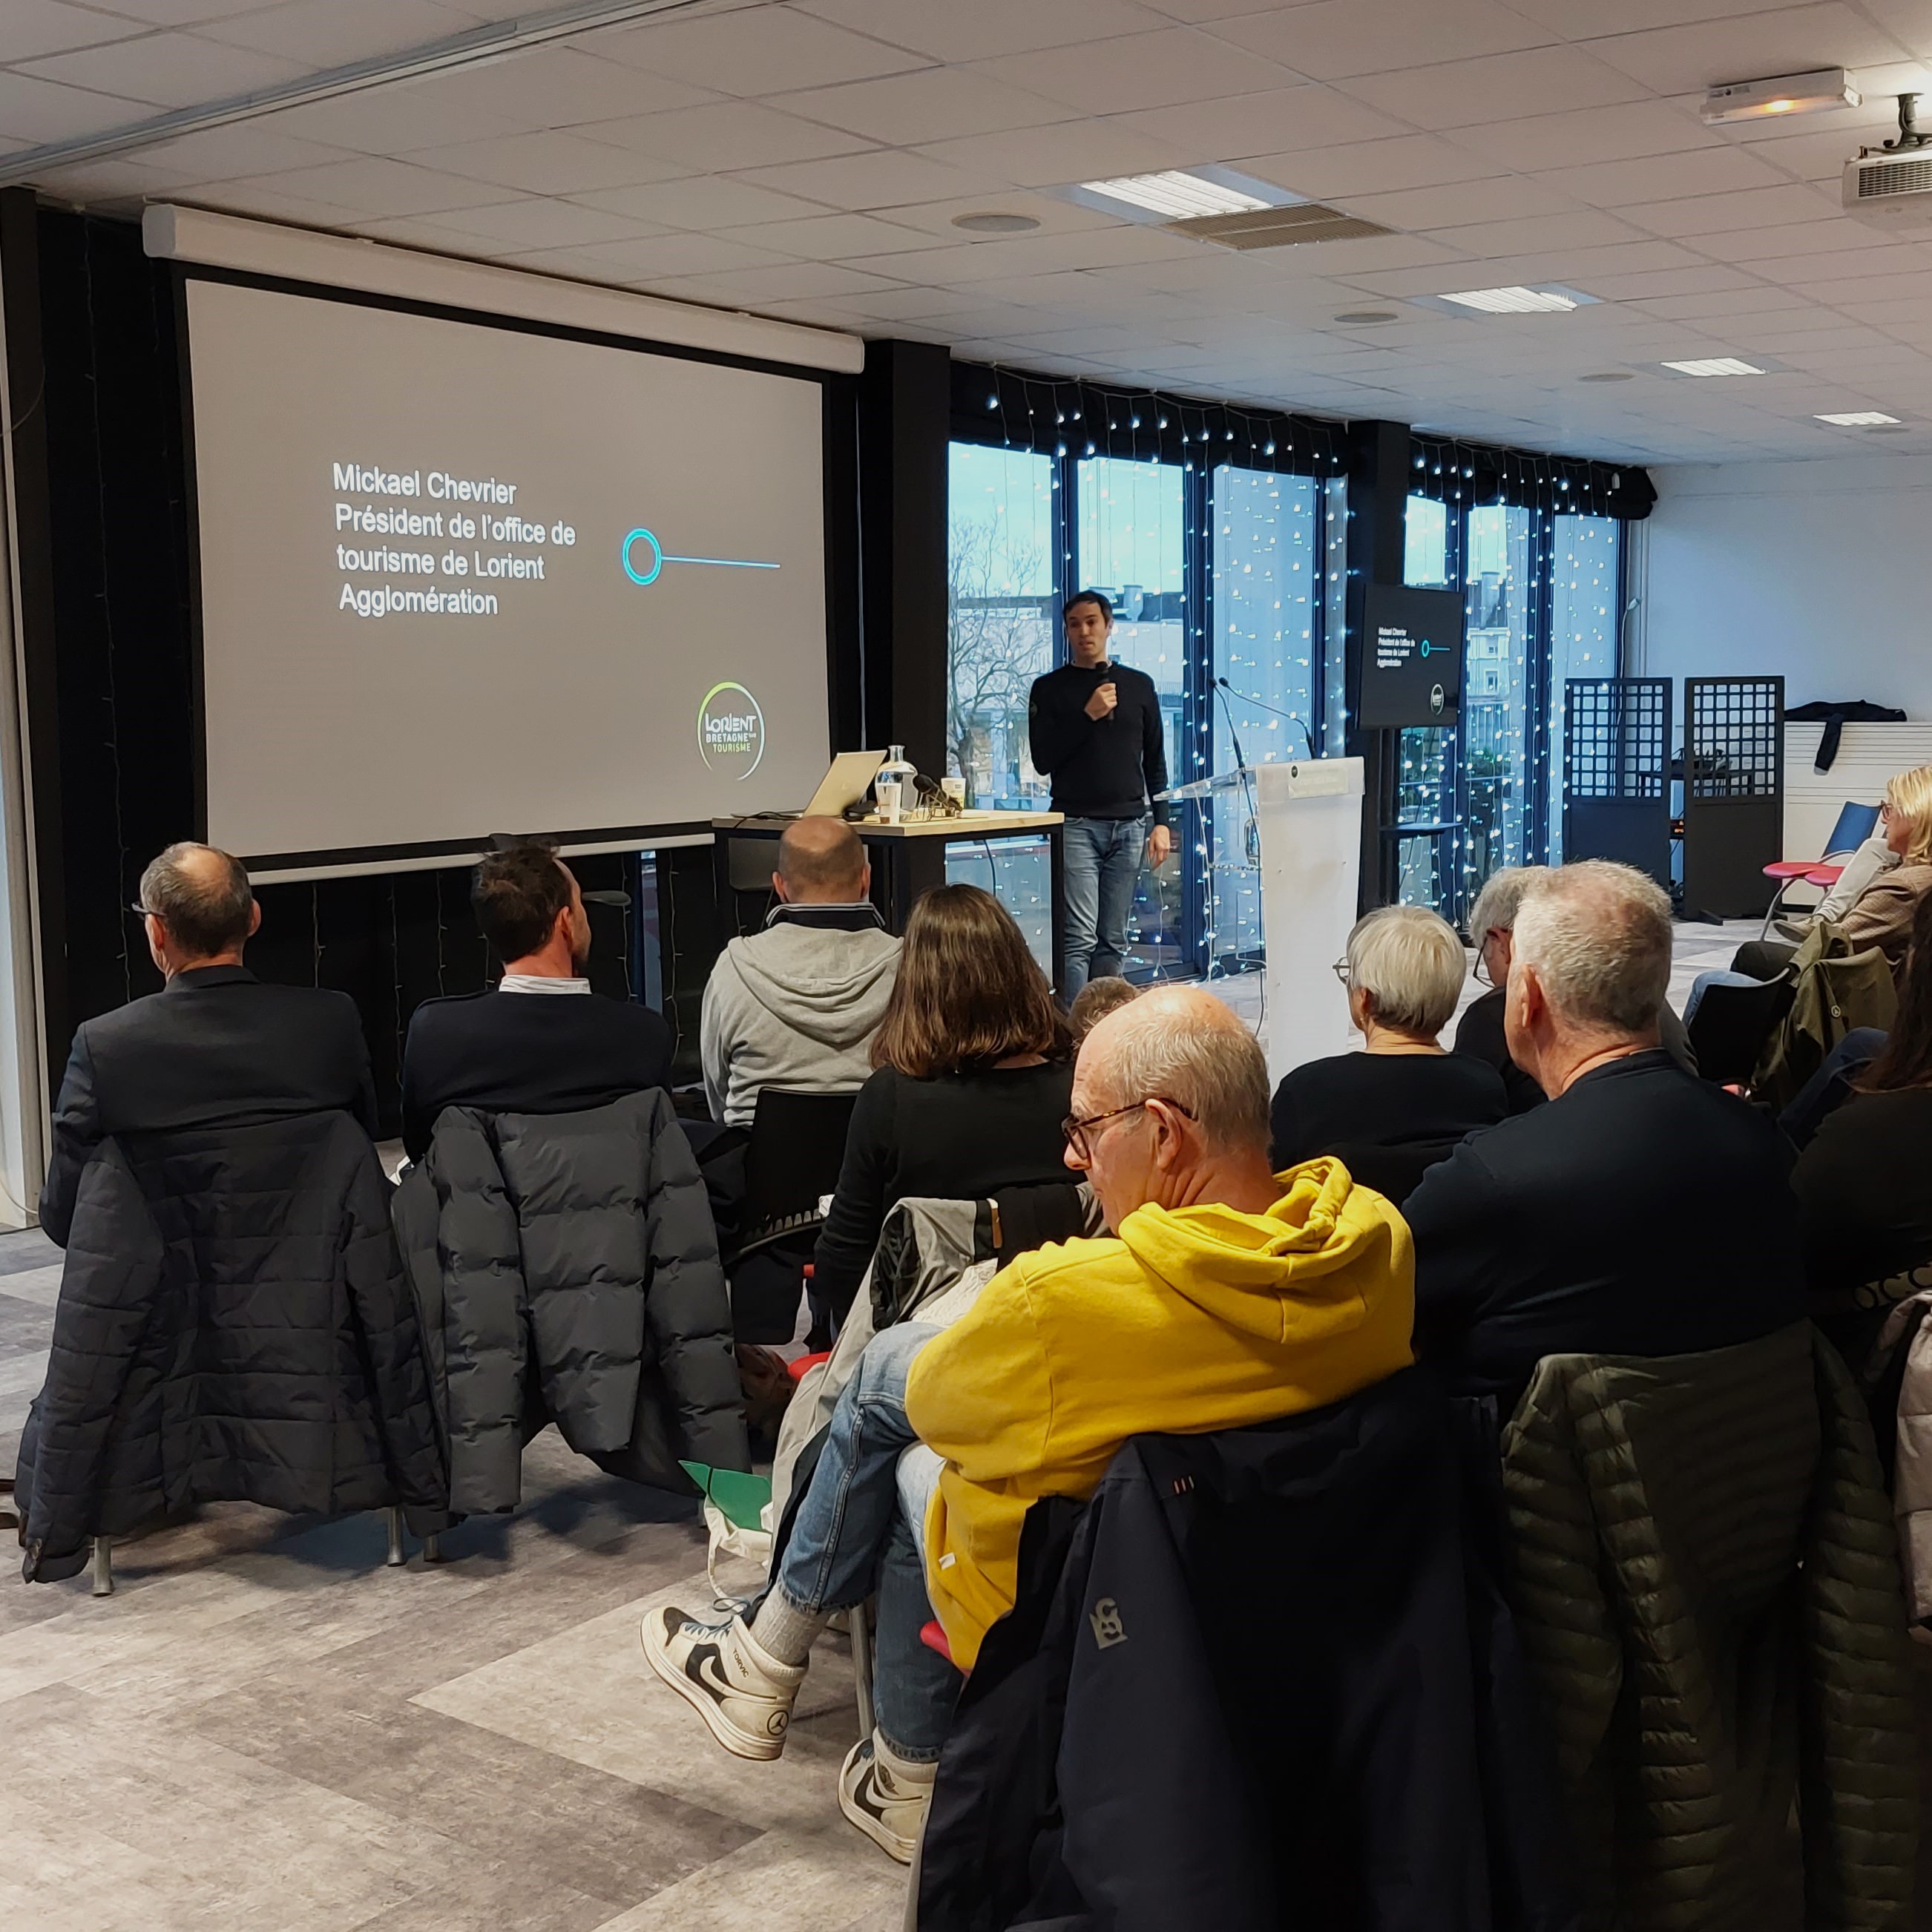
<point x="852" y="1535"/>
<point x="1103" y="861"/>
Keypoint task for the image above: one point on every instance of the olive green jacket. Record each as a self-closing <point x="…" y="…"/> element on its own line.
<point x="1837" y="989"/>
<point x="1706" y="1578"/>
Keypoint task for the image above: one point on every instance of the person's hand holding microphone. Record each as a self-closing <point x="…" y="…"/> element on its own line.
<point x="1101" y="704"/>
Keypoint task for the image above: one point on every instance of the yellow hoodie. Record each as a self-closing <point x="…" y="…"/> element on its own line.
<point x="1200" y="1319"/>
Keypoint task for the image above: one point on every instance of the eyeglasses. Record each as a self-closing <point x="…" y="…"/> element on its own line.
<point x="1340" y="970"/>
<point x="141" y="911"/>
<point x="1075" y="1130"/>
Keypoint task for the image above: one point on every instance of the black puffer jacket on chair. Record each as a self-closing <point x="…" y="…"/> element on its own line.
<point x="1705" y="1576"/>
<point x="566" y="1269"/>
<point x="233" y="1326"/>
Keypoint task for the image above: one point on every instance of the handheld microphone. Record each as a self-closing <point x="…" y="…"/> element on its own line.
<point x="1260" y="704"/>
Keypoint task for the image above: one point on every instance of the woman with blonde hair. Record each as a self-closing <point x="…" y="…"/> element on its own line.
<point x="1877" y="896"/>
<point x="1391" y="1111"/>
<point x="975" y="1076"/>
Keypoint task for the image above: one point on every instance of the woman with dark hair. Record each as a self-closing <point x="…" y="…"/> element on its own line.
<point x="975" y="1076"/>
<point x="1863" y="1183"/>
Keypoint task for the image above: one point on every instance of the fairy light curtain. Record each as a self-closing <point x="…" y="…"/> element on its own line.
<point x="1222" y="532"/>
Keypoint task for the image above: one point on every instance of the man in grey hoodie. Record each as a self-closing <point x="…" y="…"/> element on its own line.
<point x="797" y="1004"/>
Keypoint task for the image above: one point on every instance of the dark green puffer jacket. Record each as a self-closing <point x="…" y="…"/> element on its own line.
<point x="1706" y="1578"/>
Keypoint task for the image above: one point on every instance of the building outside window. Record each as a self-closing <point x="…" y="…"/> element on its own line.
<point x="1003" y="618"/>
<point x="1499" y="574"/>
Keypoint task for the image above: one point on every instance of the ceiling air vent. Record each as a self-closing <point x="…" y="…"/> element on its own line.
<point x="1278" y="227"/>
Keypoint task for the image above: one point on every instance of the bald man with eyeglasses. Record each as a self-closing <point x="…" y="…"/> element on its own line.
<point x="1225" y="1294"/>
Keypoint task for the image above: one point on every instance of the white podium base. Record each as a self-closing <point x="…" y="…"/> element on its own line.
<point x="1310" y="817"/>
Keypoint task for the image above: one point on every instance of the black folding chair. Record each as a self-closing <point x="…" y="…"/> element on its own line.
<point x="1731" y="1024"/>
<point x="796" y="1148"/>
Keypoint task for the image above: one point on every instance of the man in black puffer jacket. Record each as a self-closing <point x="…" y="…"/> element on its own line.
<point x="567" y="1270"/>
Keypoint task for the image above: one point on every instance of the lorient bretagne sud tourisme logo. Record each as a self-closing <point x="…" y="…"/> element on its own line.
<point x="731" y="730"/>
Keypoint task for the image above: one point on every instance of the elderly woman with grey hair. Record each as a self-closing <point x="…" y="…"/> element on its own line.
<point x="1390" y="1112"/>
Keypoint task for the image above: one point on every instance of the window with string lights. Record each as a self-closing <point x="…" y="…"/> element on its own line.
<point x="1221" y="535"/>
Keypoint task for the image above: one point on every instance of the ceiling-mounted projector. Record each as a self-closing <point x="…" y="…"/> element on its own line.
<point x="1891" y="187"/>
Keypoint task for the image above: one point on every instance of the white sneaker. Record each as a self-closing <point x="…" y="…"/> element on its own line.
<point x="887" y="1801"/>
<point x="720" y="1670"/>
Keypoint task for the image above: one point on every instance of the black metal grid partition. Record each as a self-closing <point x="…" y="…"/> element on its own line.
<point x="1733" y="793"/>
<point x="1616" y="772"/>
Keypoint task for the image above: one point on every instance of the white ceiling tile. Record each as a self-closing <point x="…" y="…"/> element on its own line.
<point x="1690" y="58"/>
<point x="331" y="33"/>
<point x="545" y="222"/>
<point x="1624" y="132"/>
<point x="166" y="70"/>
<point x="701" y="202"/>
<point x="266" y="199"/>
<point x="393" y="121"/>
<point x="558" y="87"/>
<point x="834" y="238"/>
<point x="1585" y="228"/>
<point x="111" y="184"/>
<point x="1072" y="151"/>
<point x="387" y="187"/>
<point x="1462" y="94"/>
<point x="1750" y="207"/>
<point x="885" y="177"/>
<point x="727" y="135"/>
<point x="176" y="13"/>
<point x="1279" y="121"/>
<point x="245" y="149"/>
<point x="1142" y="71"/>
<point x="1337" y="38"/>
<point x="33" y="27"/>
<point x="756" y="50"/>
<point x="33" y="111"/>
<point x="1831" y="235"/>
<point x="1457" y="204"/>
<point x="932" y="103"/>
<point x="1729" y="302"/>
<point x="550" y="163"/>
<point x="945" y="30"/>
<point x="1374" y="167"/>
<point x="1702" y="171"/>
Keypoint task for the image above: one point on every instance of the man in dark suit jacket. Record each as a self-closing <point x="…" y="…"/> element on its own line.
<point x="1643" y="1211"/>
<point x="216" y="1047"/>
<point x="541" y="1042"/>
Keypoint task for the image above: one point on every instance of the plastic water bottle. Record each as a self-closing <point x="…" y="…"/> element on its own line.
<point x="893" y="786"/>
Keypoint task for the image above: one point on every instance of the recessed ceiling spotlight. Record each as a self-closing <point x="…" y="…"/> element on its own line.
<point x="1859" y="419"/>
<point x="996" y="224"/>
<point x="1609" y="376"/>
<point x="1715" y="365"/>
<point x="1516" y="301"/>
<point x="1361" y="317"/>
<point x="1176" y="196"/>
<point x="1813" y="93"/>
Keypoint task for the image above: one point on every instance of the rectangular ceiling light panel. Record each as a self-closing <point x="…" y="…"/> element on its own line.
<point x="1514" y="300"/>
<point x="1715" y="365"/>
<point x="1858" y="419"/>
<point x="1177" y="196"/>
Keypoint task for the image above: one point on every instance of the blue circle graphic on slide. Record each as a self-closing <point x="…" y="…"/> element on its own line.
<point x="630" y="569"/>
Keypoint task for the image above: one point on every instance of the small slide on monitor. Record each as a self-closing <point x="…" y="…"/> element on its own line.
<point x="455" y="576"/>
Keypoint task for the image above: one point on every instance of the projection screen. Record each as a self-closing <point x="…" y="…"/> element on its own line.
<point x="457" y="579"/>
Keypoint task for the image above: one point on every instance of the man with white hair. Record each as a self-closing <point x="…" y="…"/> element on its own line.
<point x="1643" y="1211"/>
<point x="1218" y="1300"/>
<point x="1479" y="1033"/>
